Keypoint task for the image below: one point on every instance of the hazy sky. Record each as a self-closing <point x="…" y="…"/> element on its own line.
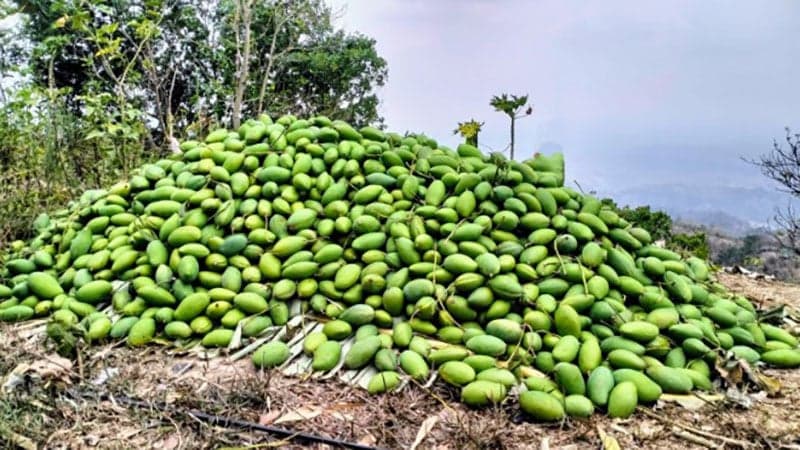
<point x="634" y="92"/>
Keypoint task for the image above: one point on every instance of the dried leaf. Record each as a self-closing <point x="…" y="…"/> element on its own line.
<point x="692" y="402"/>
<point x="424" y="429"/>
<point x="236" y="340"/>
<point x="368" y="440"/>
<point x="609" y="442"/>
<point x="15" y="378"/>
<point x="343" y="406"/>
<point x="769" y="384"/>
<point x="52" y="366"/>
<point x="269" y="418"/>
<point x="17" y="439"/>
<point x="171" y="443"/>
<point x="545" y="444"/>
<point x="735" y="375"/>
<point x="738" y="397"/>
<point x="302" y="413"/>
<point x="106" y="374"/>
<point x="340" y="416"/>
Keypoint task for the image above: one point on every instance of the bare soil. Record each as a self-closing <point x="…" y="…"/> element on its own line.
<point x="52" y="402"/>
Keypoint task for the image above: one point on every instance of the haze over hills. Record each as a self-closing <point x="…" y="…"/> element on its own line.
<point x="734" y="210"/>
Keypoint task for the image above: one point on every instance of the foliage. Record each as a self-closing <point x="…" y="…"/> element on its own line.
<point x="512" y="106"/>
<point x="36" y="173"/>
<point x="334" y="76"/>
<point x="782" y="165"/>
<point x="185" y="63"/>
<point x="469" y="130"/>
<point x="90" y="88"/>
<point x="658" y="223"/>
<point x="744" y="254"/>
<point x="692" y="243"/>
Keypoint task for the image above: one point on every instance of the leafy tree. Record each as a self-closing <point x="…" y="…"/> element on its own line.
<point x="658" y="223"/>
<point x="188" y="63"/>
<point x="469" y="130"/>
<point x="742" y="254"/>
<point x="335" y="76"/>
<point x="693" y="243"/>
<point x="782" y="165"/>
<point x="91" y="88"/>
<point x="512" y="106"/>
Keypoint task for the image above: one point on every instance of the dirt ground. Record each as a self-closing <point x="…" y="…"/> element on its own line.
<point x="117" y="398"/>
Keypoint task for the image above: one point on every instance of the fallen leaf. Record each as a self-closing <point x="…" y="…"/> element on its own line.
<point x="340" y="416"/>
<point x="692" y="402"/>
<point x="344" y="406"/>
<point x="368" y="440"/>
<point x="769" y="384"/>
<point x="302" y="413"/>
<point x="106" y="374"/>
<point x="424" y="429"/>
<point x="52" y="366"/>
<point x="170" y="443"/>
<point x="646" y="429"/>
<point x="16" y="438"/>
<point x="236" y="340"/>
<point x="15" y="378"/>
<point x="735" y="396"/>
<point x="735" y="375"/>
<point x="268" y="418"/>
<point x="609" y="442"/>
<point x="545" y="444"/>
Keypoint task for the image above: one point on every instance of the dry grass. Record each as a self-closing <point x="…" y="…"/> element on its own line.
<point x="58" y="405"/>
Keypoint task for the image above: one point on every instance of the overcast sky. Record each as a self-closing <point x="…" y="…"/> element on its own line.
<point x="633" y="92"/>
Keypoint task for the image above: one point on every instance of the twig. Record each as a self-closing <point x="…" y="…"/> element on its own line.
<point x="695" y="439"/>
<point x="228" y="422"/>
<point x="695" y="430"/>
<point x="80" y="363"/>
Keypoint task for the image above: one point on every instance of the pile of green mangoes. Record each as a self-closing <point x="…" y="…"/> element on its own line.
<point x="419" y="259"/>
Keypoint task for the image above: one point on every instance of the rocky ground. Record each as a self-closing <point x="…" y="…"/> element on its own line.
<point x="114" y="397"/>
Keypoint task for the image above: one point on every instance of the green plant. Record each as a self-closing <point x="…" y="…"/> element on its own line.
<point x="90" y="89"/>
<point x="469" y="130"/>
<point x="658" y="223"/>
<point x="692" y="243"/>
<point x="512" y="106"/>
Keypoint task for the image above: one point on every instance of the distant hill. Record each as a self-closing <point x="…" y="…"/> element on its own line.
<point x="736" y="211"/>
<point x="757" y="251"/>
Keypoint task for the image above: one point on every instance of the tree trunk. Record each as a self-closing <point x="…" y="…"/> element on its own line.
<point x="271" y="57"/>
<point x="512" y="136"/>
<point x="243" y="19"/>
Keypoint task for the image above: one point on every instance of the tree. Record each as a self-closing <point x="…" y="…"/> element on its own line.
<point x="469" y="130"/>
<point x="743" y="253"/>
<point x="693" y="243"/>
<point x="512" y="106"/>
<point x="658" y="223"/>
<point x="92" y="88"/>
<point x="185" y="64"/>
<point x="782" y="165"/>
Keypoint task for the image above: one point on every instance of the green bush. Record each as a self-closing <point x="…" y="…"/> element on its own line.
<point x="49" y="155"/>
<point x="693" y="243"/>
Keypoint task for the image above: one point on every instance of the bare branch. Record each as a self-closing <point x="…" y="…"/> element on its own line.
<point x="782" y="165"/>
<point x="789" y="235"/>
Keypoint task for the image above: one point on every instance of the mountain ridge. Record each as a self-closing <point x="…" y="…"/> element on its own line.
<point x="735" y="210"/>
